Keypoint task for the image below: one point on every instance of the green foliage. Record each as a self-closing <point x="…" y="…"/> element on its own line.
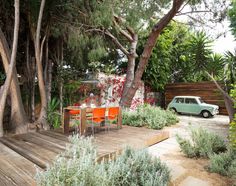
<point x="168" y="56"/>
<point x="180" y="55"/>
<point x="150" y="116"/>
<point x="232" y="128"/>
<point x="224" y="163"/>
<point x="132" y="118"/>
<point x="215" y="66"/>
<point x="135" y="13"/>
<point x="201" y="144"/>
<point x="200" y="49"/>
<point x="78" y="166"/>
<point x="2" y="78"/>
<point x="232" y="16"/>
<point x="229" y="67"/>
<point x="232" y="133"/>
<point x="53" y="116"/>
<point x="71" y="92"/>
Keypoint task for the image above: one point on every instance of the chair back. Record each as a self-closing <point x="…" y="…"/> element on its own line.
<point x="74" y="112"/>
<point x="113" y="111"/>
<point x="99" y="112"/>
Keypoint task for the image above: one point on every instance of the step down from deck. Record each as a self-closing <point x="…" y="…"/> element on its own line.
<point x="41" y="148"/>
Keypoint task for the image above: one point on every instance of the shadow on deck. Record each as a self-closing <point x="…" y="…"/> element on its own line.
<point x="21" y="154"/>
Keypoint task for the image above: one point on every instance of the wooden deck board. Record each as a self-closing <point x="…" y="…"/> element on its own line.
<point x="36" y="140"/>
<point x="14" y="169"/>
<point x="34" y="153"/>
<point x="41" y="149"/>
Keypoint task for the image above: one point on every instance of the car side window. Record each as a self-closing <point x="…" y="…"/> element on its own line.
<point x="190" y="101"/>
<point x="179" y="100"/>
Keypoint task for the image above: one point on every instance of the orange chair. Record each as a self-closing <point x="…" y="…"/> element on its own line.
<point x="113" y="113"/>
<point x="98" y="116"/>
<point x="75" y="116"/>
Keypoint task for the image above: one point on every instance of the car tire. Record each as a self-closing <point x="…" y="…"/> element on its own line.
<point x="173" y="109"/>
<point x="206" y="114"/>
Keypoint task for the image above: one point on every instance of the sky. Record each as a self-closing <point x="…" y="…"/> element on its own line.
<point x="225" y="42"/>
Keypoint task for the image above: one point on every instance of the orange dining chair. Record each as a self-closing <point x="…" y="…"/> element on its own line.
<point x="75" y="119"/>
<point x="113" y="113"/>
<point x="98" y="116"/>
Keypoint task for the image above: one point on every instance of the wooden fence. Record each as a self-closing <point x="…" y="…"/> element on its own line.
<point x="206" y="90"/>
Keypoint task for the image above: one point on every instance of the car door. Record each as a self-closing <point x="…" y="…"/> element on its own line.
<point x="179" y="104"/>
<point x="191" y="106"/>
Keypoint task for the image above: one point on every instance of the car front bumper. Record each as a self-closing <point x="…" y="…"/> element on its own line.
<point x="215" y="111"/>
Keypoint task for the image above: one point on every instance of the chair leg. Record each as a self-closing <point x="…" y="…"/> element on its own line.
<point x="92" y="129"/>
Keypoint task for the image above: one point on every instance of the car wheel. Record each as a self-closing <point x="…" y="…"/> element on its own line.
<point x="173" y="109"/>
<point x="206" y="114"/>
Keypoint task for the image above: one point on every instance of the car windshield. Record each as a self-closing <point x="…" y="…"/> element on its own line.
<point x="201" y="101"/>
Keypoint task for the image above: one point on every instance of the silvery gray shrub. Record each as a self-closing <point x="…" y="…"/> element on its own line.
<point x="77" y="166"/>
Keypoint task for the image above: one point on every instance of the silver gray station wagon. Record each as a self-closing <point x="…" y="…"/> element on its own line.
<point x="193" y="105"/>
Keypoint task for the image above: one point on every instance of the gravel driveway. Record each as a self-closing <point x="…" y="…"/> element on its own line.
<point x="186" y="171"/>
<point x="219" y="124"/>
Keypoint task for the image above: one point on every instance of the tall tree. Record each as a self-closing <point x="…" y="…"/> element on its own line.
<point x="11" y="65"/>
<point x="18" y="115"/>
<point x="38" y="56"/>
<point x="151" y="41"/>
<point x="229" y="101"/>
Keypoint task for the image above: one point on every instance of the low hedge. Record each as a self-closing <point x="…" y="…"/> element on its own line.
<point x="149" y="116"/>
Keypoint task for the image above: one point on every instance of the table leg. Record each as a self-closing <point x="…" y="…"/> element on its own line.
<point x="66" y="121"/>
<point x="120" y="119"/>
<point x="83" y="122"/>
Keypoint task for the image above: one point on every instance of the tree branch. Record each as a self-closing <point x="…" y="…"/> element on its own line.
<point x="130" y="30"/>
<point x="113" y="38"/>
<point x="193" y="12"/>
<point x="219" y="87"/>
<point x="184" y="6"/>
<point x="124" y="33"/>
<point x="41" y="48"/>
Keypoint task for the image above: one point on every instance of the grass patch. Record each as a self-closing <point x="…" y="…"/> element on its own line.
<point x="149" y="116"/>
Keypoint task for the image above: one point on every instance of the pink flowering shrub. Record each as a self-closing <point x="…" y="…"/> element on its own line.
<point x="114" y="85"/>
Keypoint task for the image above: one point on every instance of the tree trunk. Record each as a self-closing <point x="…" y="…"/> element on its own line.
<point x="49" y="80"/>
<point x="229" y="102"/>
<point x="61" y="83"/>
<point x="28" y="75"/>
<point x="38" y="55"/>
<point x="18" y="116"/>
<point x="11" y="68"/>
<point x="46" y="61"/>
<point x="157" y="29"/>
<point x="130" y="68"/>
<point x="31" y="73"/>
<point x="48" y="72"/>
<point x="32" y="88"/>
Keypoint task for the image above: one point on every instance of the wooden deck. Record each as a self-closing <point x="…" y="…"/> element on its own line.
<point x="20" y="155"/>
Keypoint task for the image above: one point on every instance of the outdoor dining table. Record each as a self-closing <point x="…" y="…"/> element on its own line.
<point x="84" y="113"/>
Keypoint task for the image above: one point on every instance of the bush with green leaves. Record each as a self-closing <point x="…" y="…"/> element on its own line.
<point x="224" y="163"/>
<point x="149" y="116"/>
<point x="132" y="118"/>
<point x="53" y="116"/>
<point x="201" y="143"/>
<point x="232" y="129"/>
<point x="78" y="166"/>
